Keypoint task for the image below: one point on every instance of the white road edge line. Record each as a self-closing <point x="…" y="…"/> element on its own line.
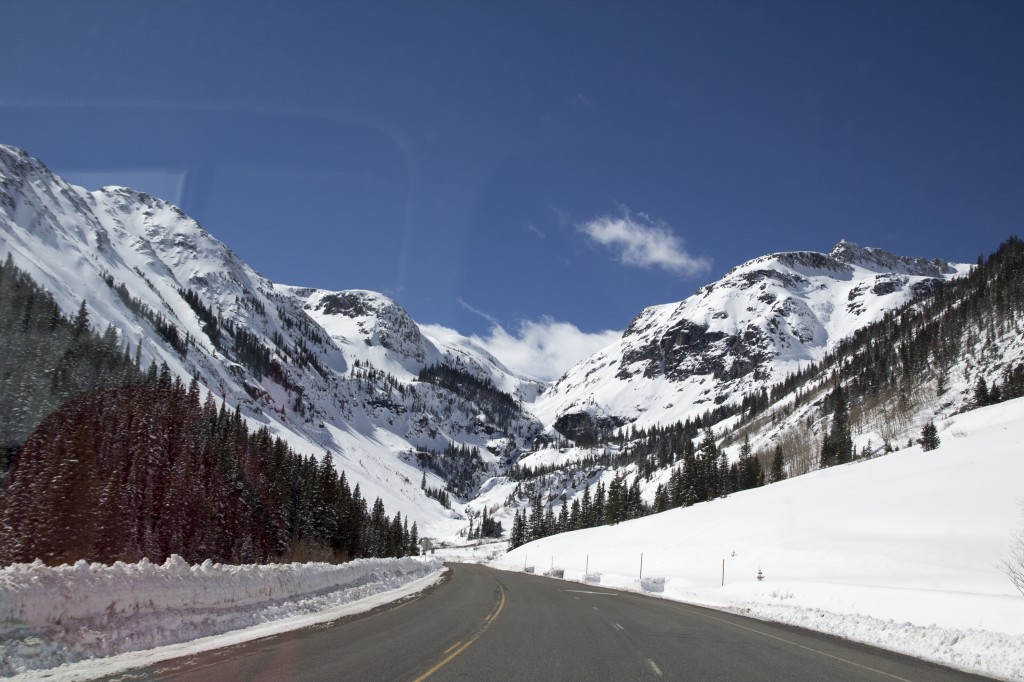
<point x="607" y="594"/>
<point x="654" y="667"/>
<point x="805" y="647"/>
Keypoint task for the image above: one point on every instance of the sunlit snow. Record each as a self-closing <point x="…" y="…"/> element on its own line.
<point x="902" y="551"/>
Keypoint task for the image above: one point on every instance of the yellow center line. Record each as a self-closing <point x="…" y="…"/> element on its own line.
<point x="487" y="623"/>
<point x="452" y="647"/>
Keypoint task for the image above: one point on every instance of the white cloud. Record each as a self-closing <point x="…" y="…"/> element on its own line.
<point x="644" y="243"/>
<point x="545" y="349"/>
<point x="542" y="349"/>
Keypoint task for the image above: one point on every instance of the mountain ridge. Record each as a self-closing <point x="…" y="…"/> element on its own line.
<point x="764" y="319"/>
<point x="186" y="300"/>
<point x="351" y="374"/>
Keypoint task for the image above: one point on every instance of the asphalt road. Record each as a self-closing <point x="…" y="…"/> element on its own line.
<point x="483" y="624"/>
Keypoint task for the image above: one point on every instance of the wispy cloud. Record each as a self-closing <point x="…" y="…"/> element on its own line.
<point x="543" y="349"/>
<point x="536" y="230"/>
<point x="476" y="311"/>
<point x="639" y="241"/>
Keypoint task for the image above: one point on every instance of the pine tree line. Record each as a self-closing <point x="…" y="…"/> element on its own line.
<point x="1012" y="386"/>
<point x="499" y="406"/>
<point x="48" y="359"/>
<point x="704" y="473"/>
<point x="488" y="527"/>
<point x="247" y="348"/>
<point x="439" y="494"/>
<point x="149" y="470"/>
<point x="164" y="328"/>
<point x="459" y="465"/>
<point x="303" y="353"/>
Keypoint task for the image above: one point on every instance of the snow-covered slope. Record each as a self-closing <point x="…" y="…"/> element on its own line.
<point x="386" y="351"/>
<point x="763" y="320"/>
<point x="338" y="371"/>
<point x="374" y="329"/>
<point x="902" y="551"/>
<point x="347" y="387"/>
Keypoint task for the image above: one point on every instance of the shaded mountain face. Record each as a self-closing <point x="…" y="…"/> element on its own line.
<point x="764" y="319"/>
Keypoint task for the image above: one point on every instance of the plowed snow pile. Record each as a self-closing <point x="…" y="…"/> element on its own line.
<point x="52" y="616"/>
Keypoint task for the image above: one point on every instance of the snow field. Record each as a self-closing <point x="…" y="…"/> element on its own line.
<point x="902" y="551"/>
<point x="52" y="616"/>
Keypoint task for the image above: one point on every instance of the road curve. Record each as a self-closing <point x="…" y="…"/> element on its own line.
<point x="484" y="624"/>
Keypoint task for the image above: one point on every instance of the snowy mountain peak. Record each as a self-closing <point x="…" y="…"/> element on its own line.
<point x="329" y="371"/>
<point x="881" y="260"/>
<point x="764" y="319"/>
<point x="371" y="319"/>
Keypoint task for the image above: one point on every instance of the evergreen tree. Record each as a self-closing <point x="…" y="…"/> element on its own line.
<point x="778" y="465"/>
<point x="634" y="503"/>
<point x="661" y="501"/>
<point x="837" y="447"/>
<point x="981" y="393"/>
<point x="517" y="536"/>
<point x="535" y="530"/>
<point x="705" y="478"/>
<point x="613" y="508"/>
<point x="684" y="489"/>
<point x="749" y="474"/>
<point x="723" y="479"/>
<point x="587" y="516"/>
<point x="929" y="437"/>
<point x="549" y="522"/>
<point x="574" y="515"/>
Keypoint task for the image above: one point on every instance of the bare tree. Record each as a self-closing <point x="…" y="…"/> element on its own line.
<point x="1013" y="566"/>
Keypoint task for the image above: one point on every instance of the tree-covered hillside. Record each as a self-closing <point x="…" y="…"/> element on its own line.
<point x="48" y="359"/>
<point x="151" y="470"/>
<point x="108" y="462"/>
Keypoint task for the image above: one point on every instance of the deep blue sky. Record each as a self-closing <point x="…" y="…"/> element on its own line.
<point x="449" y="153"/>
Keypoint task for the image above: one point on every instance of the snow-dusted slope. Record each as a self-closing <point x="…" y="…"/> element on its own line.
<point x="764" y="319"/>
<point x="901" y="551"/>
